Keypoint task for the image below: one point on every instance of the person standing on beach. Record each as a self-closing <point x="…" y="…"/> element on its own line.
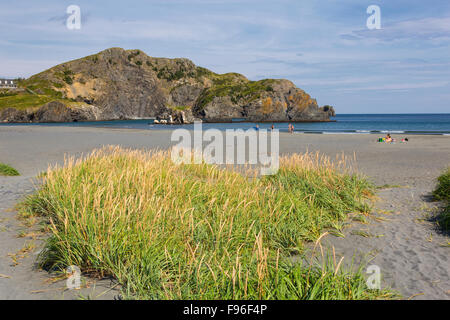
<point x="291" y="128"/>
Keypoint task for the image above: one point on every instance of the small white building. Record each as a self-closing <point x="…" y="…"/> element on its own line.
<point x="8" y="83"/>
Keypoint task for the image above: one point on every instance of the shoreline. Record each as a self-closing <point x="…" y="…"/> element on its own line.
<point x="169" y="124"/>
<point x="119" y="124"/>
<point x="401" y="225"/>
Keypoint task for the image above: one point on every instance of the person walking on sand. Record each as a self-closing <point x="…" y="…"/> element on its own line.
<point x="272" y="127"/>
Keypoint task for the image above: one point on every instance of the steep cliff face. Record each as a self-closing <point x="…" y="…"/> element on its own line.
<point x="128" y="84"/>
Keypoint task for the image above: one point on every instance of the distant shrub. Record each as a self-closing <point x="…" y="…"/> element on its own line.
<point x="133" y="54"/>
<point x="170" y="75"/>
<point x="6" y="170"/>
<point x="68" y="80"/>
<point x="67" y="76"/>
<point x="442" y="192"/>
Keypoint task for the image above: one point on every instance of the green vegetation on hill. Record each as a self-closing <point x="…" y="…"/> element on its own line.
<point x="203" y="72"/>
<point x="167" y="231"/>
<point x="224" y="86"/>
<point x="173" y="75"/>
<point x="36" y="92"/>
<point x="442" y="193"/>
<point x="23" y="100"/>
<point x="178" y="108"/>
<point x="6" y="170"/>
<point x="234" y="85"/>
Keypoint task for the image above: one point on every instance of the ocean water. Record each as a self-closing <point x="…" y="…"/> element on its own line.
<point x="438" y="124"/>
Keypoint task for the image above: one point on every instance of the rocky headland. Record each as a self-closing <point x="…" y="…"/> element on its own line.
<point x="128" y="84"/>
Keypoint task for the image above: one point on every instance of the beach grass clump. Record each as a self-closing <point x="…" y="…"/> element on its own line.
<point x="6" y="170"/>
<point x="444" y="218"/>
<point x="168" y="231"/>
<point x="442" y="193"/>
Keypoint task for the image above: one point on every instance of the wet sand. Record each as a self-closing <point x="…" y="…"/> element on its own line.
<point x="412" y="253"/>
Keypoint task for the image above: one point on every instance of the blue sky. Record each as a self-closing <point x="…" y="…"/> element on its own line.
<point x="323" y="46"/>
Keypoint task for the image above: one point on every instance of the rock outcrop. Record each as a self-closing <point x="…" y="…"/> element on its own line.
<point x="128" y="84"/>
<point x="54" y="111"/>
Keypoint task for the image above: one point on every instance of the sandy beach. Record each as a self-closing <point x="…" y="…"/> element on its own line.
<point x="404" y="242"/>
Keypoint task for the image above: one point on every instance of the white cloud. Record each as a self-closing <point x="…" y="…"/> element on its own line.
<point x="399" y="86"/>
<point x="427" y="29"/>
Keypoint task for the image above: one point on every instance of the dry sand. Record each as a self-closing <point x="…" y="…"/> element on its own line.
<point x="412" y="253"/>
